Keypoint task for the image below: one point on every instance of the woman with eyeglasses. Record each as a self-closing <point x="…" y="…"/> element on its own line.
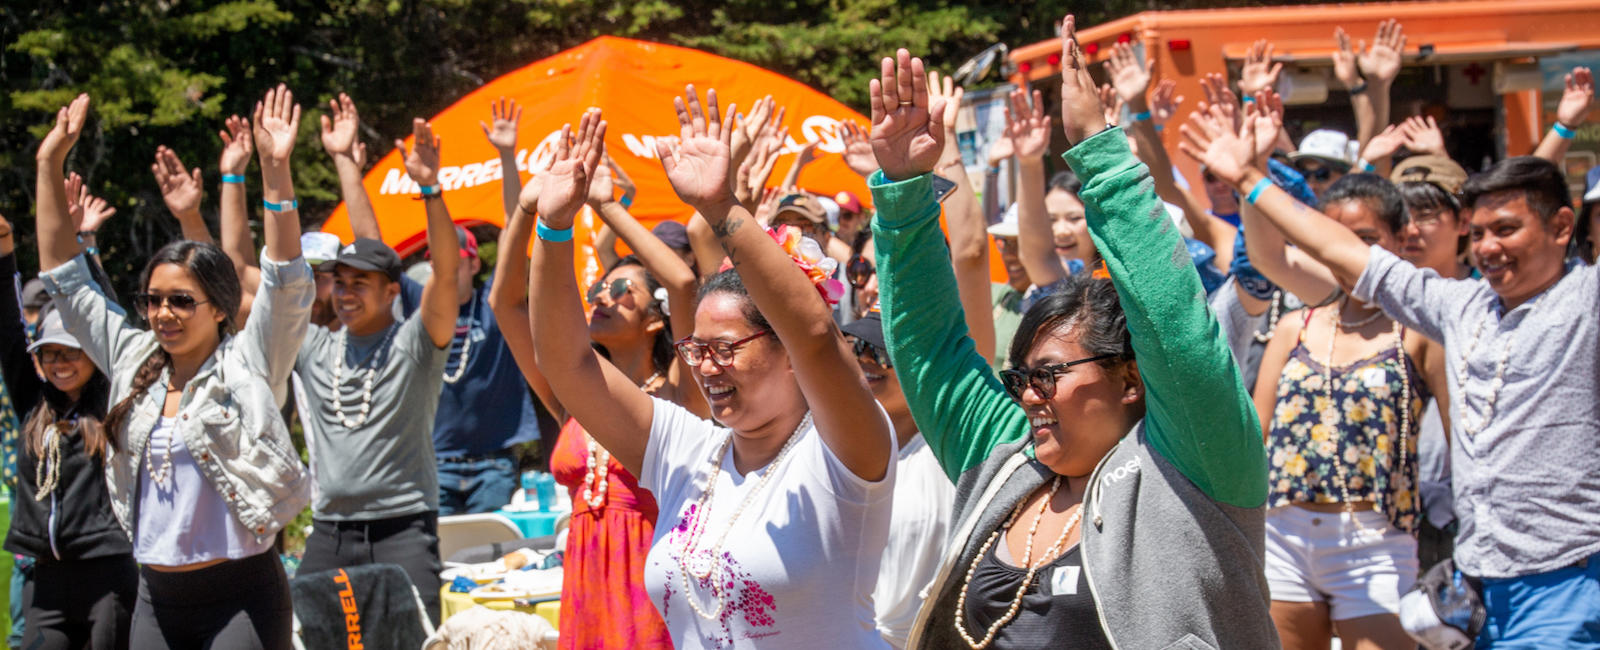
<point x="632" y="317"/>
<point x="1108" y="487"/>
<point x="201" y="471"/>
<point x="774" y="515"/>
<point x="85" y="580"/>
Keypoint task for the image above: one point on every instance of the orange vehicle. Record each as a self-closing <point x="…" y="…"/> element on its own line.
<point x="1489" y="72"/>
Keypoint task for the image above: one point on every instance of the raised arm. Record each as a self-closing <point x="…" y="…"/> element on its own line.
<point x="340" y="128"/>
<point x="441" y="301"/>
<point x="237" y="240"/>
<point x="281" y="311"/>
<point x="505" y="115"/>
<point x="1576" y="101"/>
<point x="181" y="191"/>
<point x="508" y="297"/>
<point x="55" y="230"/>
<point x="16" y="368"/>
<point x="1029" y="131"/>
<point x="90" y="213"/>
<point x="1209" y="433"/>
<point x="277" y="120"/>
<point x="969" y="233"/>
<point x="807" y="154"/>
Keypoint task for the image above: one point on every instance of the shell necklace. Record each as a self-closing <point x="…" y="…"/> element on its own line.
<point x="466" y="349"/>
<point x="599" y="460"/>
<point x="1330" y="416"/>
<point x="1468" y="428"/>
<point x="47" y="474"/>
<point x="366" y="384"/>
<point x="160" y="476"/>
<point x="1048" y="556"/>
<point x="705" y="563"/>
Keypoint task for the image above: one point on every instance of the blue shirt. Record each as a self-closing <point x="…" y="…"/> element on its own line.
<point x="488" y="408"/>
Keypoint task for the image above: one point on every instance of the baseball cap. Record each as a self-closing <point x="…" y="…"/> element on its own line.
<point x="1007" y="227"/>
<point x="803" y="204"/>
<point x="52" y="331"/>
<point x="1430" y="168"/>
<point x="1327" y="145"/>
<point x="369" y="254"/>
<point x="468" y="242"/>
<point x="319" y="247"/>
<point x="33" y="294"/>
<point x="673" y="234"/>
<point x="847" y="202"/>
<point x="868" y="328"/>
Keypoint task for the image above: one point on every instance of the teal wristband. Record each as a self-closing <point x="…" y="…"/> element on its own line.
<point x="233" y="178"/>
<point x="1247" y="99"/>
<point x="1141" y="116"/>
<point x="1563" y="131"/>
<point x="1368" y="167"/>
<point x="1159" y="128"/>
<point x="430" y="190"/>
<point x="551" y="234"/>
<point x="284" y="206"/>
<point x="1255" y="192"/>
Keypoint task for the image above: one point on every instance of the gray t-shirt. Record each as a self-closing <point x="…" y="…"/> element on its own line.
<point x="1240" y="328"/>
<point x="384" y="467"/>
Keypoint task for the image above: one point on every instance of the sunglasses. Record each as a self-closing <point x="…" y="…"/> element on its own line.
<point x="878" y="355"/>
<point x="859" y="271"/>
<point x="1318" y="174"/>
<point x="694" y="352"/>
<point x="47" y="357"/>
<point x="618" y="289"/>
<point x="181" y="304"/>
<point x="1043" y="378"/>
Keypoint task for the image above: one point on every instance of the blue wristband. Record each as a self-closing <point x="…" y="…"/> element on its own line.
<point x="1255" y="192"/>
<point x="285" y="206"/>
<point x="1368" y="167"/>
<point x="551" y="234"/>
<point x="430" y="190"/>
<point x="1140" y="116"/>
<point x="1247" y="99"/>
<point x="626" y="201"/>
<point x="1563" y="131"/>
<point x="1159" y="128"/>
<point x="91" y="251"/>
<point x="233" y="178"/>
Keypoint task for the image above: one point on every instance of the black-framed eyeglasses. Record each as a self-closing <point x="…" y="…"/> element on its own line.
<point x="865" y="348"/>
<point x="66" y="355"/>
<point x="1043" y="378"/>
<point x="694" y="352"/>
<point x="181" y="304"/>
<point x="617" y="289"/>
<point x="859" y="271"/>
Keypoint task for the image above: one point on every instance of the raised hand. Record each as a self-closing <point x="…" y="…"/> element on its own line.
<point x="756" y="170"/>
<point x="277" y="120"/>
<point x="340" y="126"/>
<point x="1128" y="73"/>
<point x="1082" y="114"/>
<point x="1209" y="140"/>
<point x="1028" y="128"/>
<point x="750" y="126"/>
<point x="907" y="132"/>
<point x="698" y="167"/>
<point x="1423" y="136"/>
<point x="359" y="154"/>
<point x="1163" y="105"/>
<point x="1110" y="103"/>
<point x="602" y="189"/>
<point x="74" y="188"/>
<point x="1344" y="59"/>
<point x="946" y="89"/>
<point x="181" y="191"/>
<point x="1264" y="118"/>
<point x="1000" y="150"/>
<point x="1385" y="143"/>
<point x="1381" y="63"/>
<point x="502" y="130"/>
<point x="1259" y="72"/>
<point x="237" y="145"/>
<point x="858" y="154"/>
<point x="69" y="125"/>
<point x="1218" y="95"/>
<point x="1577" y="99"/>
<point x="566" y="184"/>
<point x="422" y="161"/>
<point x="94" y="209"/>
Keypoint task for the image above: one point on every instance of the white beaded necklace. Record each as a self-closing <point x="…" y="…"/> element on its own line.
<point x="598" y="462"/>
<point x="47" y="475"/>
<point x="1331" y="415"/>
<point x="366" y="384"/>
<point x="1048" y="556"/>
<point x="1469" y="429"/>
<point x="466" y="349"/>
<point x="1272" y="318"/>
<point x="160" y="476"/>
<point x="706" y="562"/>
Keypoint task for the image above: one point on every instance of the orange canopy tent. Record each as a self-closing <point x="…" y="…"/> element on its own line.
<point x="633" y="82"/>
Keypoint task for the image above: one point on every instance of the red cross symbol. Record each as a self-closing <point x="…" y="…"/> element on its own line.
<point x="1474" y="72"/>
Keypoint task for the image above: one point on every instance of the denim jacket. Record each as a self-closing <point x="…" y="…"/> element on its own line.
<point x="228" y="414"/>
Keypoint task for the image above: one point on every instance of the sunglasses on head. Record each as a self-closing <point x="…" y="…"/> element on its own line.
<point x="181" y="304"/>
<point x="1043" y="378"/>
<point x="69" y="355"/>
<point x="864" y="348"/>
<point x="859" y="271"/>
<point x="618" y="289"/>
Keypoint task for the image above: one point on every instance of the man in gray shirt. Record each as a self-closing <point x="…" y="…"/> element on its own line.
<point x="1523" y="364"/>
<point x="371" y="390"/>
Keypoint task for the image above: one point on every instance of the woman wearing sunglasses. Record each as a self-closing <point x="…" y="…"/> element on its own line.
<point x="613" y="519"/>
<point x="1109" y="491"/>
<point x="773" y="517"/>
<point x="202" y="474"/>
<point x="85" y="580"/>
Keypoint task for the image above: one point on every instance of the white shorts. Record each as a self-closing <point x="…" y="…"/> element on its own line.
<point x="1324" y="556"/>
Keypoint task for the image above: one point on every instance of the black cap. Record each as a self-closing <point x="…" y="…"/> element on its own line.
<point x="368" y="254"/>
<point x="868" y="328"/>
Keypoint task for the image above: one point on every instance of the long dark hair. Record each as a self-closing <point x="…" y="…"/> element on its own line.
<point x="661" y="353"/>
<point x="730" y="283"/>
<point x="56" y="405"/>
<point x="212" y="269"/>
<point x="1087" y="304"/>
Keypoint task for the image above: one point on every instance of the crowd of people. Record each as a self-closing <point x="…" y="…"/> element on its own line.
<point x="798" y="422"/>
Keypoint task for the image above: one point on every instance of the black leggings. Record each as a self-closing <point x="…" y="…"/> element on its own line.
<point x="240" y="604"/>
<point x="80" y="604"/>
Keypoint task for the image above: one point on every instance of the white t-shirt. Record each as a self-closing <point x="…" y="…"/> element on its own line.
<point x="802" y="557"/>
<point x="918" y="532"/>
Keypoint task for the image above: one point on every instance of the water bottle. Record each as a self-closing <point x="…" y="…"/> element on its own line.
<point x="545" y="486"/>
<point x="525" y="495"/>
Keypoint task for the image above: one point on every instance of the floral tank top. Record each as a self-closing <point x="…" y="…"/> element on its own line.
<point x="1356" y="424"/>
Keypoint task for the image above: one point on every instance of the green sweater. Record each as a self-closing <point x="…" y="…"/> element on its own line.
<point x="1197" y="413"/>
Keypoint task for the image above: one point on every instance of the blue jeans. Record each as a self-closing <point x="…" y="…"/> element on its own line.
<point x="482" y="484"/>
<point x="21" y="574"/>
<point x="1554" y="609"/>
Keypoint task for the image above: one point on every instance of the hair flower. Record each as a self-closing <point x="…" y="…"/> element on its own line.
<point x="807" y="254"/>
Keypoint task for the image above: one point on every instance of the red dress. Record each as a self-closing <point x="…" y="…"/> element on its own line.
<point x="603" y="600"/>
